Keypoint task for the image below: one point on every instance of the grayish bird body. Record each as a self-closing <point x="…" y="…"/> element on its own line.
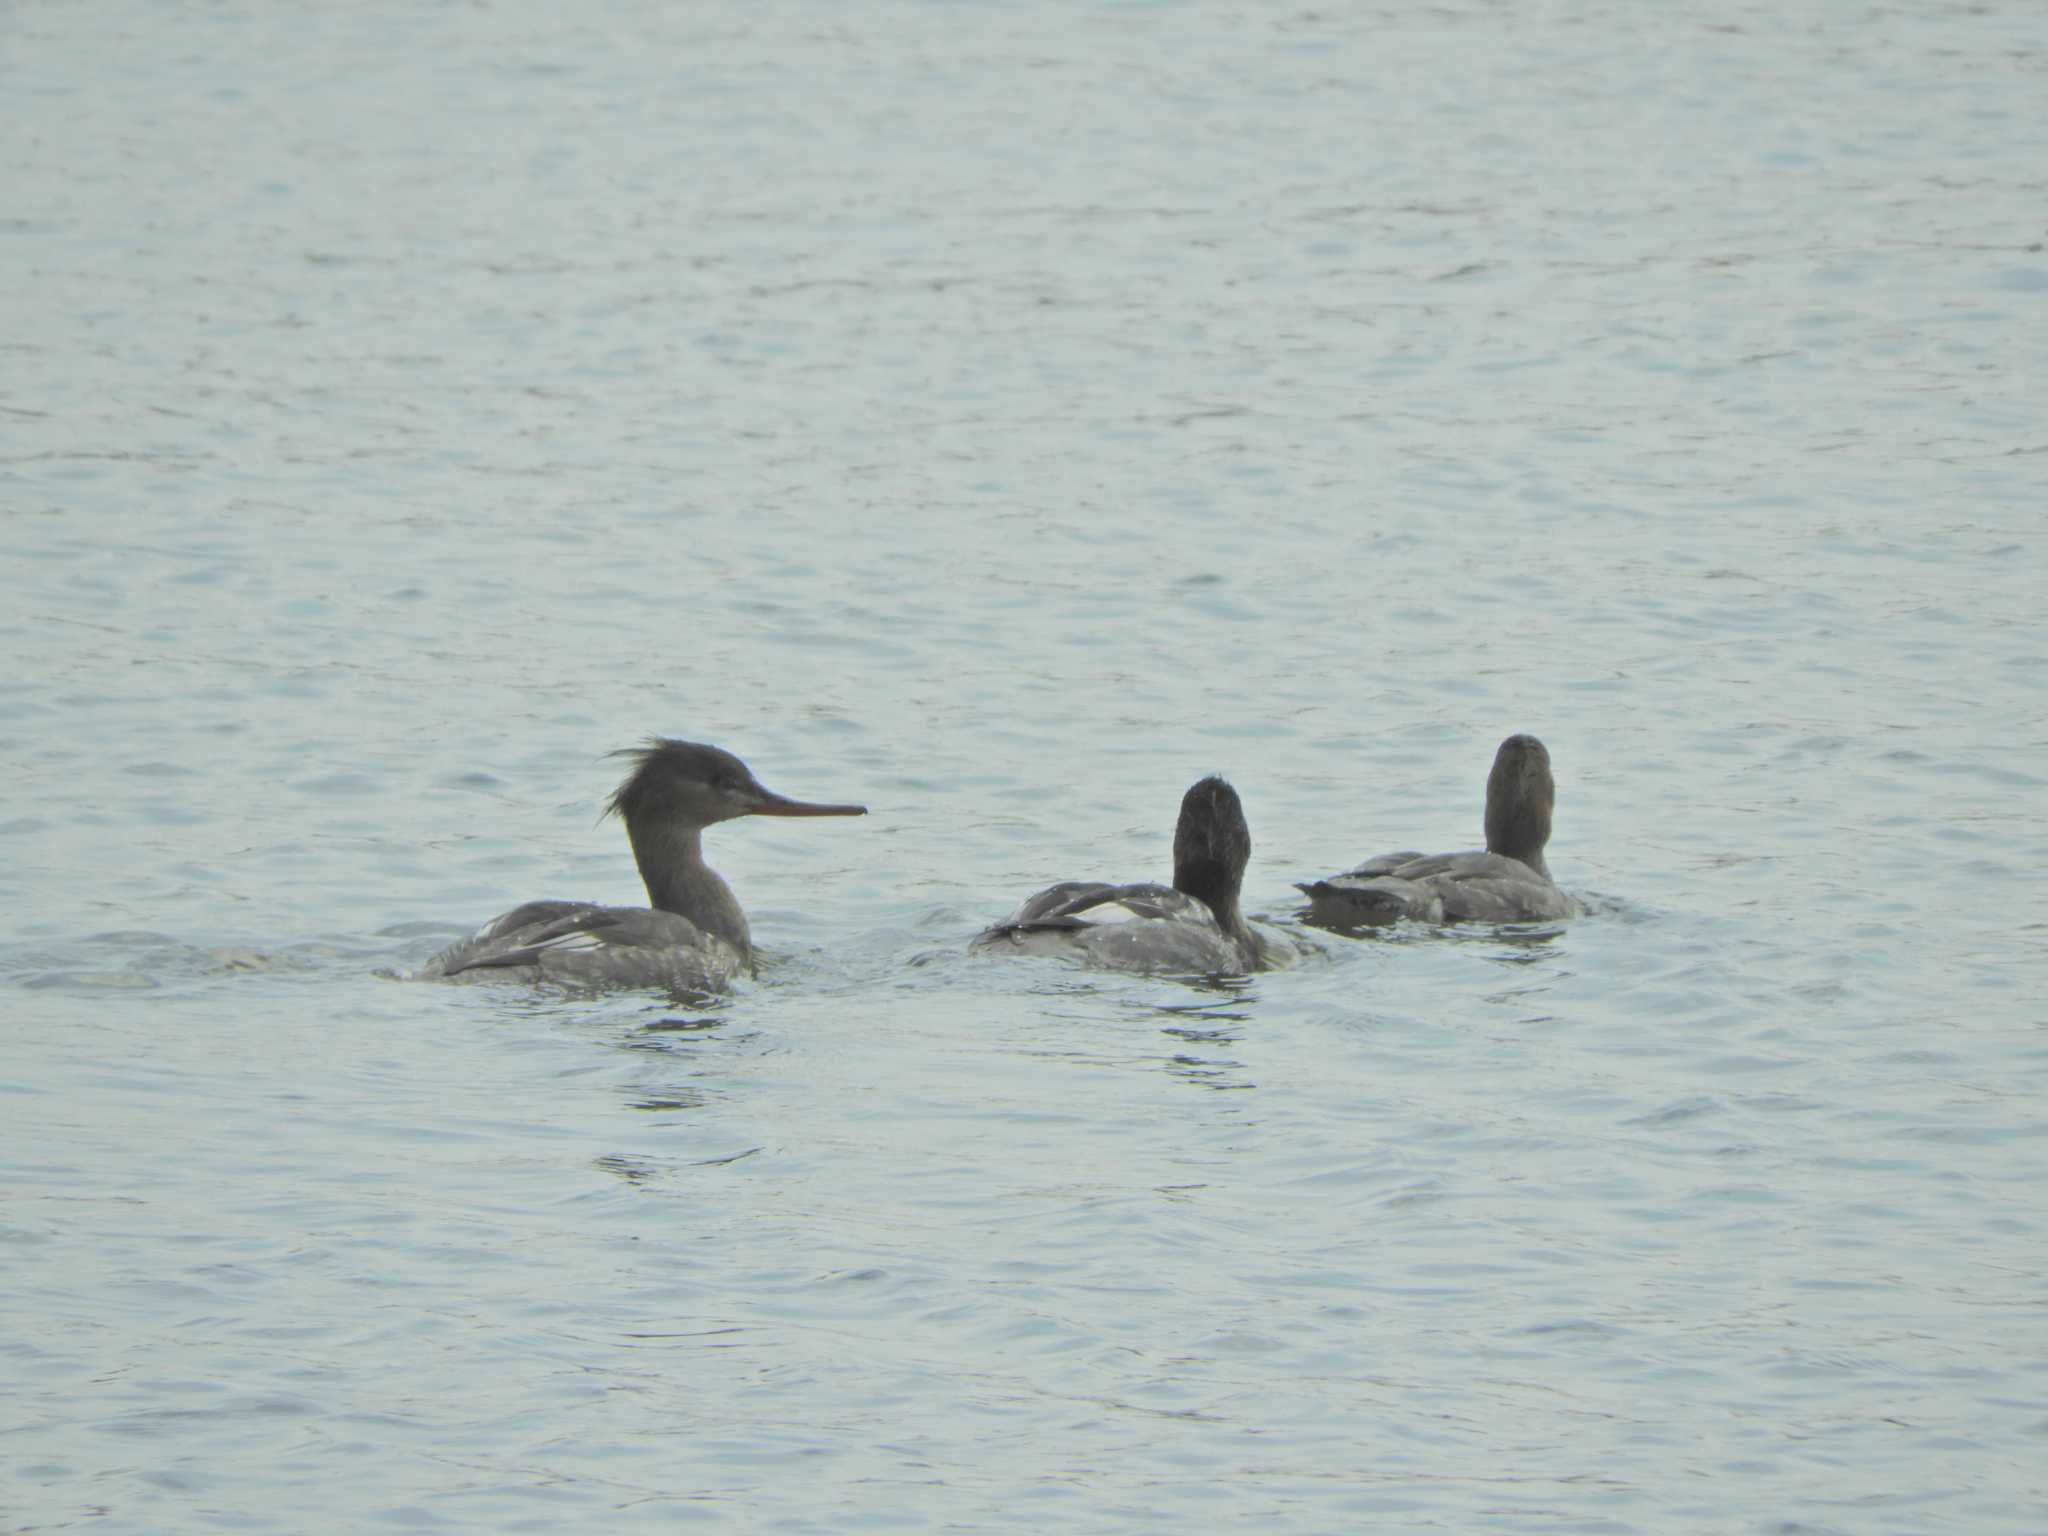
<point x="1192" y="927"/>
<point x="1507" y="882"/>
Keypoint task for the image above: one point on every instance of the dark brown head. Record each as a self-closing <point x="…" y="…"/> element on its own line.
<point x="1519" y="797"/>
<point x="1211" y="847"/>
<point x="685" y="783"/>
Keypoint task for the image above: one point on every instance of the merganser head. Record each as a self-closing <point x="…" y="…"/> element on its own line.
<point x="1211" y="846"/>
<point x="1520" y="795"/>
<point x="694" y="785"/>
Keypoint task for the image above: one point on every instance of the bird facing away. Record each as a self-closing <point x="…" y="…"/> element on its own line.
<point x="1192" y="927"/>
<point x="1507" y="883"/>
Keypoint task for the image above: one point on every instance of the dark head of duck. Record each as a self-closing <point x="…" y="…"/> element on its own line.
<point x="1211" y="847"/>
<point x="1520" y="795"/>
<point x="690" y="784"/>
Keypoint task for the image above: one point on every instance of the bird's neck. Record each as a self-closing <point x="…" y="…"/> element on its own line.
<point x="671" y="860"/>
<point x="1212" y="885"/>
<point x="1519" y="830"/>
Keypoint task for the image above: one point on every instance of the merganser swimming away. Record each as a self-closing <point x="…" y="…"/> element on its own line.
<point x="1508" y="883"/>
<point x="693" y="935"/>
<point x="1190" y="927"/>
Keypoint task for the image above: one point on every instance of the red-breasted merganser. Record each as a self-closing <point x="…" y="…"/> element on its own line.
<point x="1190" y="927"/>
<point x="693" y="937"/>
<point x="1508" y="883"/>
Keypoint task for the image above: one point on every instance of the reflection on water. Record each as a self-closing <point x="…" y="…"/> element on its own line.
<point x="685" y="1028"/>
<point x="1212" y="1030"/>
<point x="644" y="1170"/>
<point x="1207" y="1072"/>
<point x="680" y="1099"/>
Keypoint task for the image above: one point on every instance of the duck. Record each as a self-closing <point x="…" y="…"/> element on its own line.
<point x="1191" y="927"/>
<point x="1508" y="882"/>
<point x="691" y="936"/>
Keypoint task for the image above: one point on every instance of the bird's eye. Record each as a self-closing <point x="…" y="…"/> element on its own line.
<point x="726" y="784"/>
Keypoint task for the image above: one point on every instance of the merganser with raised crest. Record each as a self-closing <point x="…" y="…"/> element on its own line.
<point x="692" y="936"/>
<point x="1190" y="927"/>
<point x="1508" y="883"/>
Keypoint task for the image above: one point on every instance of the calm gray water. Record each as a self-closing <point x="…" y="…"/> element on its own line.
<point x="1004" y="414"/>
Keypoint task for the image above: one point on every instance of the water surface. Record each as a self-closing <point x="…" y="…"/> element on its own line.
<point x="1003" y="415"/>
